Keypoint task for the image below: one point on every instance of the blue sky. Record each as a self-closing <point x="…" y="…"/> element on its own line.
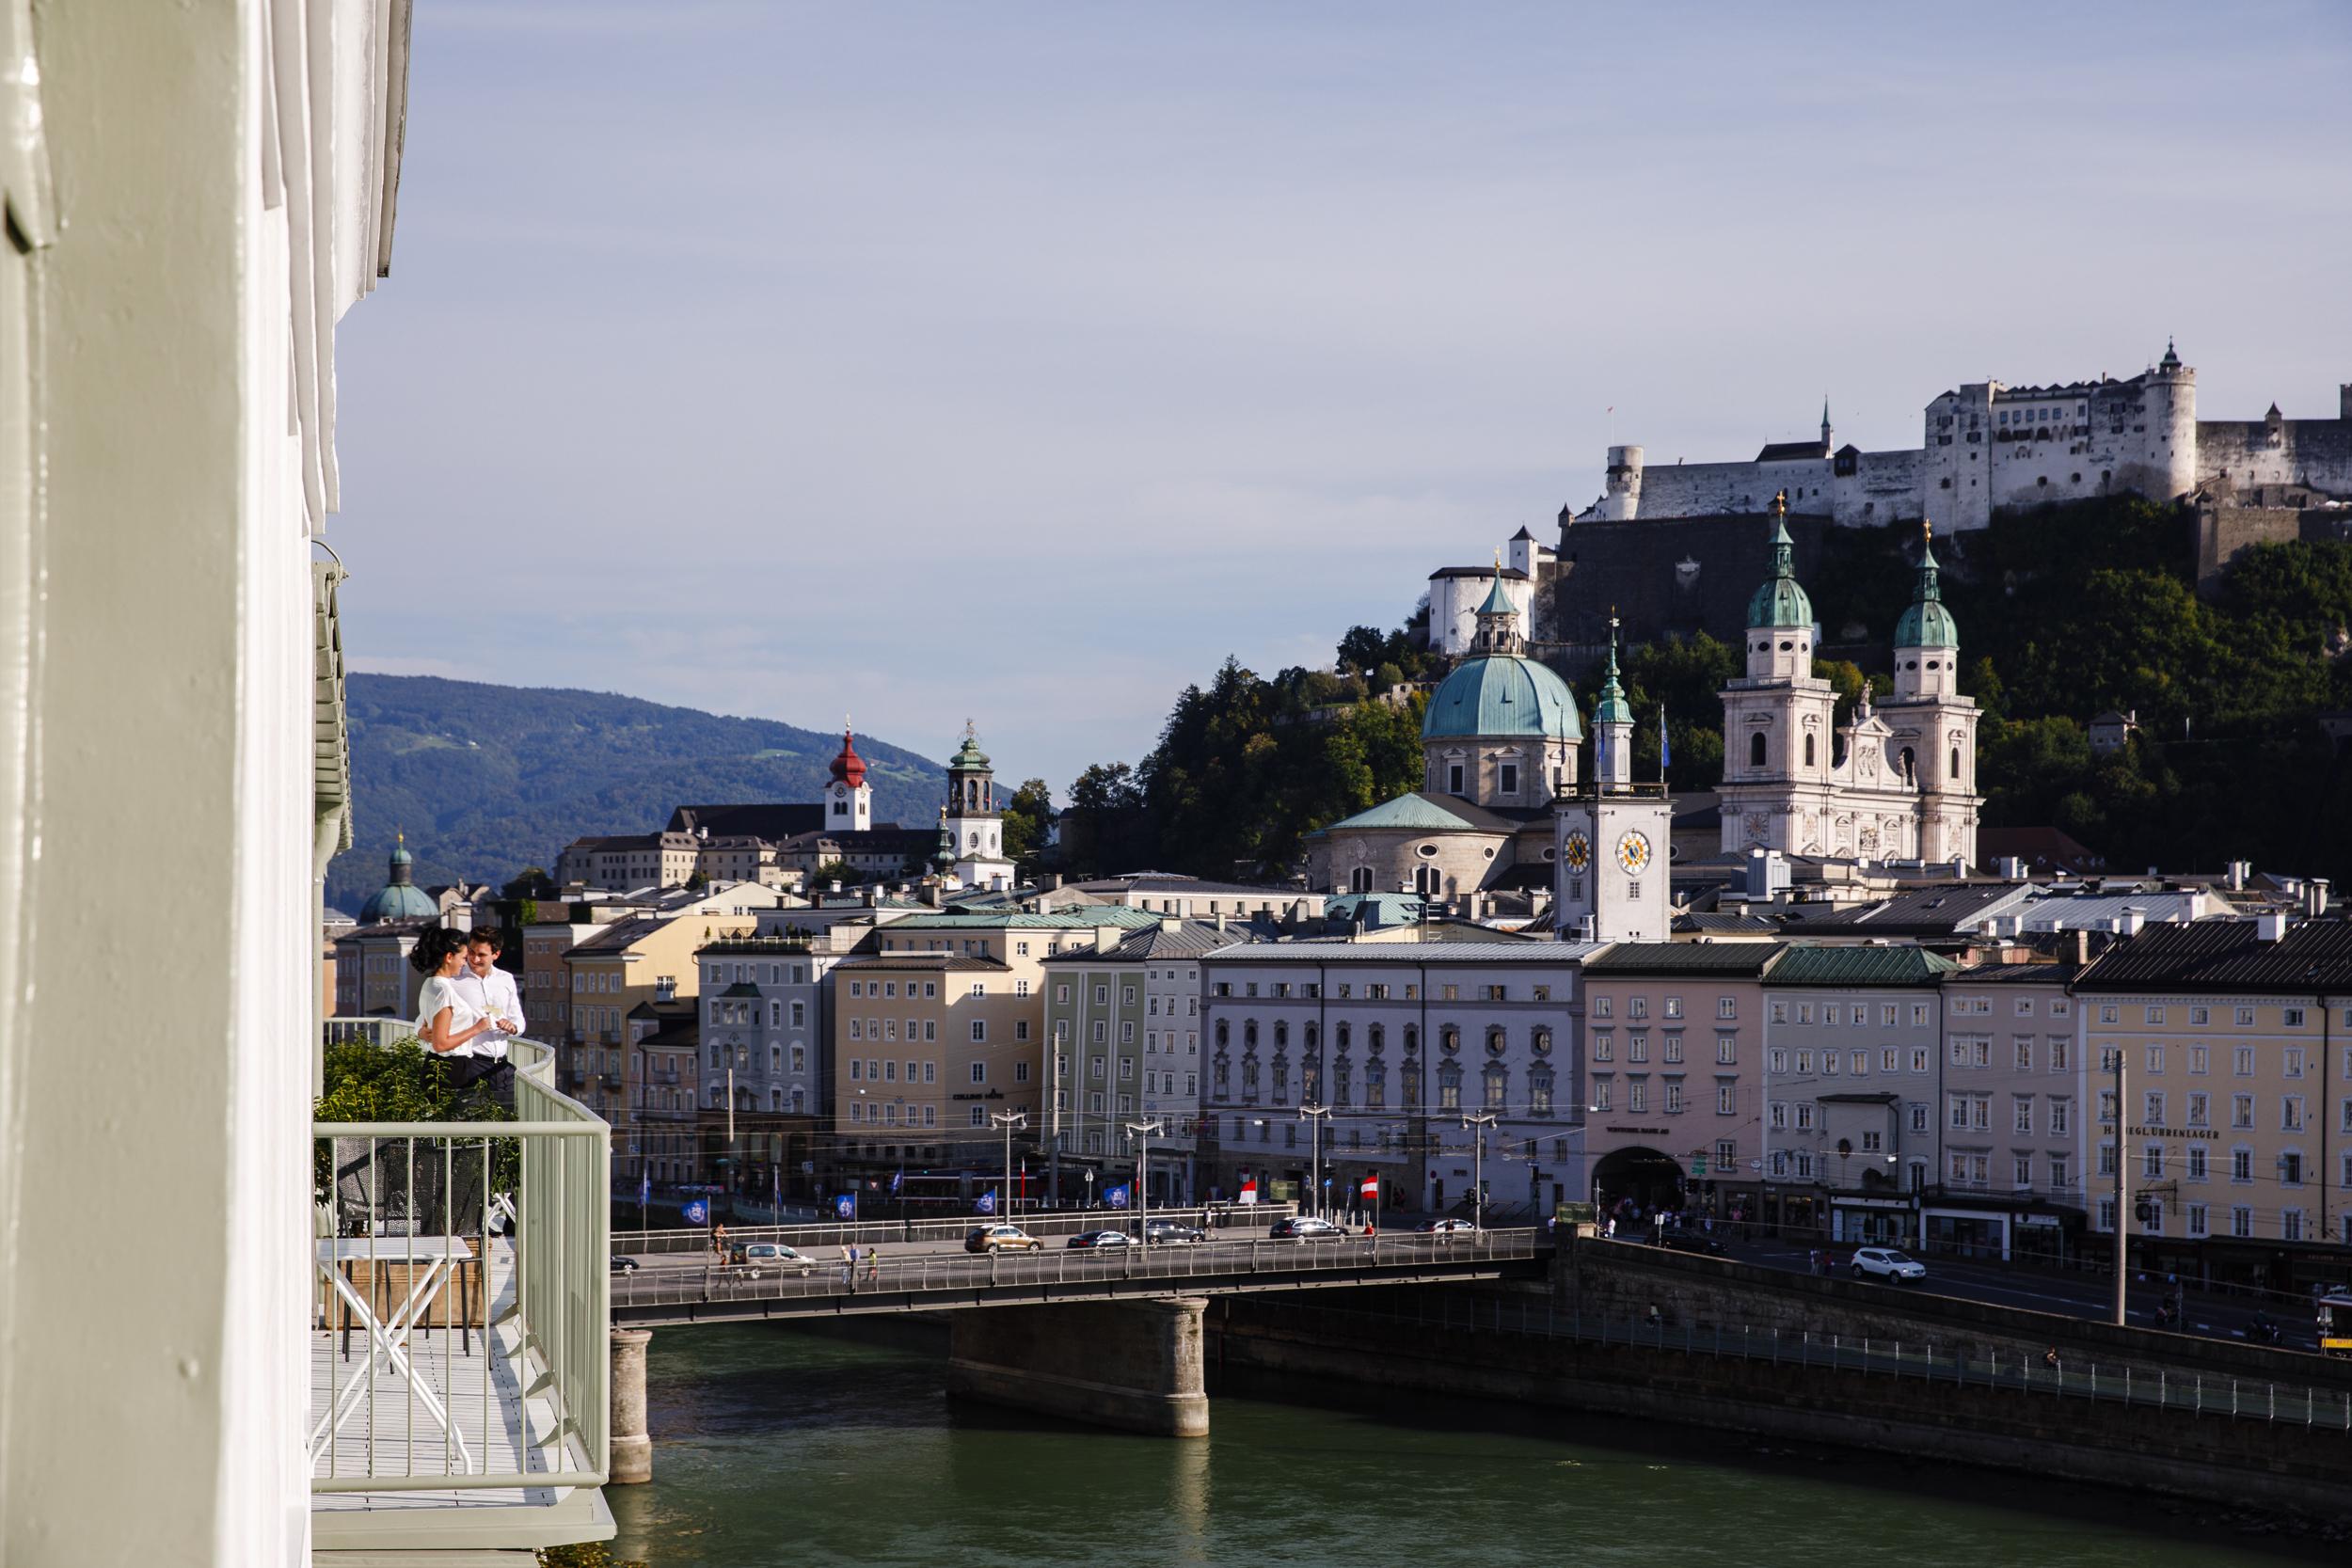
<point x="1022" y="361"/>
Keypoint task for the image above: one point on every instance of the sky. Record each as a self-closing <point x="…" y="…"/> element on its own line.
<point x="1021" y="362"/>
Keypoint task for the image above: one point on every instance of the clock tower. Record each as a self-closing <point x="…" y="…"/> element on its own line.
<point x="974" y="825"/>
<point x="1612" y="837"/>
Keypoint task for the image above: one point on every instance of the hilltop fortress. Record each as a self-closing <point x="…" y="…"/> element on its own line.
<point x="1989" y="445"/>
<point x="1675" y="549"/>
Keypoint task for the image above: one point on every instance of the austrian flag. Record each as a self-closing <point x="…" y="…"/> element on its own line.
<point x="1369" y="1188"/>
<point x="1249" y="1188"/>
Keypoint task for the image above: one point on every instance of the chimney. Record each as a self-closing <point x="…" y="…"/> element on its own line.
<point x="2075" y="948"/>
<point x="1171" y="922"/>
<point x="1960" y="868"/>
<point x="1046" y="900"/>
<point x="2270" y="926"/>
<point x="873" y="897"/>
<point x="1221" y="920"/>
<point x="2239" y="871"/>
<point x="930" y="893"/>
<point x="834" y="886"/>
<point x="2010" y="868"/>
<point x="1050" y="881"/>
<point x="666" y="989"/>
<point x="2314" y="897"/>
<point x="2132" y="919"/>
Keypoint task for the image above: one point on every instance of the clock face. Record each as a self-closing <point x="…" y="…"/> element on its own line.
<point x="1633" y="853"/>
<point x="1578" y="851"/>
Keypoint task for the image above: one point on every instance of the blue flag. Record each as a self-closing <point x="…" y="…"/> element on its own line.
<point x="697" y="1212"/>
<point x="644" y="1188"/>
<point x="1116" y="1196"/>
<point x="1665" y="751"/>
<point x="844" y="1207"/>
<point x="896" y="1177"/>
<point x="987" y="1204"/>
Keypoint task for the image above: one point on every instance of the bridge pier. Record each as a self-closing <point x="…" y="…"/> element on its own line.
<point x="632" y="1449"/>
<point x="1132" y="1364"/>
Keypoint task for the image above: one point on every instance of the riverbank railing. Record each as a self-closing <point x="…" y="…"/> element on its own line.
<point x="1215" y="1219"/>
<point x="2115" y="1381"/>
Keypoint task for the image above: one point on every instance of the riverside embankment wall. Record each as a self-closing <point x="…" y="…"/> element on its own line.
<point x="2264" y="1463"/>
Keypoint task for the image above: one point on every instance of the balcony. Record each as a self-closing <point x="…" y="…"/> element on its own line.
<point x="460" y="1397"/>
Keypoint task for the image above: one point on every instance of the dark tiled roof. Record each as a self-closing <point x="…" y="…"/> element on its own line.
<point x="619" y="935"/>
<point x="1725" y="923"/>
<point x="1731" y="960"/>
<point x="2227" y="956"/>
<point x="1513" y="573"/>
<point x="740" y="987"/>
<point x="2015" y="974"/>
<point x="1938" y="910"/>
<point x="671" y="1012"/>
<point x="1784" y="451"/>
<point x="1804" y="965"/>
<point x="1189" y="940"/>
<point x="768" y="820"/>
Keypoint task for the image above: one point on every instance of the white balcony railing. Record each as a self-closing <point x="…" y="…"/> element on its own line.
<point x="460" y="1318"/>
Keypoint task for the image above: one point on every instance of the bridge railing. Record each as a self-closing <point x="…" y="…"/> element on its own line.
<point x="2118" y="1382"/>
<point x="462" y="1268"/>
<point x="1214" y="1218"/>
<point x="941" y="1275"/>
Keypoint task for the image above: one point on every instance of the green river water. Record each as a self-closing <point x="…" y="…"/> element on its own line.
<point x="777" y="1447"/>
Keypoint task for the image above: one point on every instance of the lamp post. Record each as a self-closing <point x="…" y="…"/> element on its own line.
<point x="2123" y="1203"/>
<point x="1143" y="1131"/>
<point x="1314" y="1116"/>
<point x="1478" y="1125"/>
<point x="1008" y="1121"/>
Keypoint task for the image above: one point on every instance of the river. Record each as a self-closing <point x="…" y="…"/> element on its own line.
<point x="780" y="1446"/>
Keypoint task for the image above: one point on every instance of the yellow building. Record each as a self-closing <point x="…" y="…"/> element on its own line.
<point x="2232" y="1043"/>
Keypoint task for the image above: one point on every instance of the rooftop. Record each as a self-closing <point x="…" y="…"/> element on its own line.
<point x="1729" y="959"/>
<point x="1802" y="964"/>
<point x="1397" y="955"/>
<point x="2227" y="956"/>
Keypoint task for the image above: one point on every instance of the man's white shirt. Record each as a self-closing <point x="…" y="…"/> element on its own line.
<point x="499" y="993"/>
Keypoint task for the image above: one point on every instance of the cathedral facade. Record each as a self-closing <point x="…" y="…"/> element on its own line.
<point x="1896" y="782"/>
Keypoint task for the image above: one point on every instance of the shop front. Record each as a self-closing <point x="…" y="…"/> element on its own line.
<point x="1864" y="1220"/>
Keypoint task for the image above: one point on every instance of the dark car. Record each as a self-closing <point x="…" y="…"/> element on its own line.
<point x="1097" y="1239"/>
<point x="624" y="1265"/>
<point x="1690" y="1241"/>
<point x="1169" y="1232"/>
<point x="1305" y="1227"/>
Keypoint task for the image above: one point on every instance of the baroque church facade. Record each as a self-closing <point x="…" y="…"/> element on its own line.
<point x="1896" y="782"/>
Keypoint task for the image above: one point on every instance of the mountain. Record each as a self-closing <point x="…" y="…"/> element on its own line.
<point x="485" y="780"/>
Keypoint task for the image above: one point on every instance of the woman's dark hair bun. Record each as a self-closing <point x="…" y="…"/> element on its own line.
<point x="433" y="947"/>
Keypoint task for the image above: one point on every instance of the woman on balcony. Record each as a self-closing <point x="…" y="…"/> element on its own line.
<point x="446" y="1022"/>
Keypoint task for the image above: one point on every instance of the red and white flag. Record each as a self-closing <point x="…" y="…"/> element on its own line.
<point x="1249" y="1188"/>
<point x="1369" y="1188"/>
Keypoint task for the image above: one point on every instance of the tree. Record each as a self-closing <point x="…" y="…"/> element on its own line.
<point x="532" y="882"/>
<point x="832" y="872"/>
<point x="1029" y="822"/>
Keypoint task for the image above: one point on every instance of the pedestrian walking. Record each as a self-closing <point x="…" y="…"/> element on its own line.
<point x="719" y="1241"/>
<point x="849" y="1266"/>
<point x="873" y="1266"/>
<point x="2050" y="1360"/>
<point x="1613" y="1227"/>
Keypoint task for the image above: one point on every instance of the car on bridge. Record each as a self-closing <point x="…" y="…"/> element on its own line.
<point x="1447" y="1227"/>
<point x="1172" y="1232"/>
<point x="1000" y="1238"/>
<point x="1305" y="1227"/>
<point x="1884" y="1262"/>
<point x="624" y="1264"/>
<point x="758" y="1258"/>
<point x="1099" y="1239"/>
<point x="1690" y="1241"/>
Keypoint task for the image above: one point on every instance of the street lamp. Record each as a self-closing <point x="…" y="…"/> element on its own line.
<point x="1478" y="1154"/>
<point x="1143" y="1131"/>
<point x="1314" y="1116"/>
<point x="1008" y="1121"/>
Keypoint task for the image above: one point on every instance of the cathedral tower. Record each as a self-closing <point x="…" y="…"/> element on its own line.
<point x="1778" y="775"/>
<point x="973" y="823"/>
<point x="1934" y="727"/>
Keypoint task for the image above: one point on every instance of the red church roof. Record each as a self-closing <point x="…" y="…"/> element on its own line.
<point x="849" y="768"/>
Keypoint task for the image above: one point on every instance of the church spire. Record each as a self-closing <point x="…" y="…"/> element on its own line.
<point x="1498" y="619"/>
<point x="1926" y="624"/>
<point x="1613" y="722"/>
<point x="1825" y="426"/>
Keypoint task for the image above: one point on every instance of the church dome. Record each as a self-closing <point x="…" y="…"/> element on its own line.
<point x="1926" y="624"/>
<point x="849" y="768"/>
<point x="399" y="898"/>
<point x="1781" y="602"/>
<point x="1502" y="694"/>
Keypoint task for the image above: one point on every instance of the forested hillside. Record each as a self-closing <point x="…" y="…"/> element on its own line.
<point x="2063" y="613"/>
<point x="486" y="779"/>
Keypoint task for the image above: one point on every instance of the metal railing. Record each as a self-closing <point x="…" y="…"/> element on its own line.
<point x="2117" y="1382"/>
<point x="376" y="1031"/>
<point x="1216" y="1218"/>
<point x="470" y="1259"/>
<point x="1205" y="1262"/>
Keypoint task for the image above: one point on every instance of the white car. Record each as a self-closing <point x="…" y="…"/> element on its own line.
<point x="1884" y="1262"/>
<point x="763" y="1257"/>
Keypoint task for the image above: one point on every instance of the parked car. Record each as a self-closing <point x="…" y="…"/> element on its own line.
<point x="1169" y="1232"/>
<point x="1099" y="1239"/>
<point x="1884" y="1262"/>
<point x="1447" y="1227"/>
<point x="1690" y="1241"/>
<point x="1000" y="1238"/>
<point x="773" y="1257"/>
<point x="1305" y="1227"/>
<point x="624" y="1265"/>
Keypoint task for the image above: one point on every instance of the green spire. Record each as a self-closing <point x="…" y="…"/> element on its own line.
<point x="1612" y="708"/>
<point x="1926" y="624"/>
<point x="1497" y="602"/>
<point x="1781" y="602"/>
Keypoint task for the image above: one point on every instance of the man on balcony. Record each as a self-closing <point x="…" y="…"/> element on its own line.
<point x="491" y="992"/>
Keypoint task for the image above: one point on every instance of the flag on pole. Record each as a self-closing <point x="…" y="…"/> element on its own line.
<point x="775" y="1189"/>
<point x="1116" y="1196"/>
<point x="1369" y="1187"/>
<point x="896" y="1177"/>
<point x="644" y="1188"/>
<point x="987" y="1205"/>
<point x="844" y="1207"/>
<point x="1665" y="751"/>
<point x="697" y="1212"/>
<point x="1249" y="1188"/>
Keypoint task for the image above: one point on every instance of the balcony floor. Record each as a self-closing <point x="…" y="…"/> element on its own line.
<point x="484" y="1393"/>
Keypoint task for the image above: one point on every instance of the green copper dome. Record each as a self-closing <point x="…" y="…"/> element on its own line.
<point x="1497" y="602"/>
<point x="1502" y="694"/>
<point x="1926" y="624"/>
<point x="969" y="758"/>
<point x="1780" y="602"/>
<point x="399" y="898"/>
